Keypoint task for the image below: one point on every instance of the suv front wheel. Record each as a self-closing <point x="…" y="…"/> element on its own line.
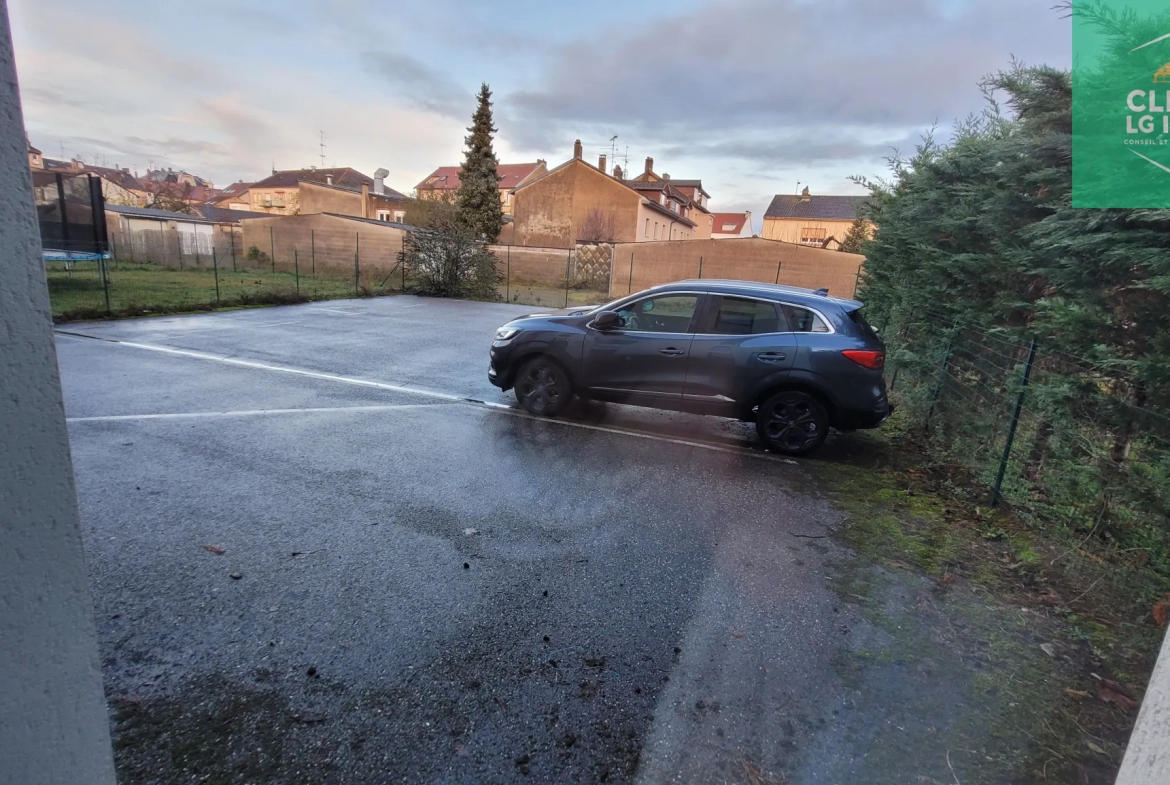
<point x="543" y="388"/>
<point x="792" y="423"/>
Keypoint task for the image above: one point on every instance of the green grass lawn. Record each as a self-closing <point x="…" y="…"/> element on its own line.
<point x="137" y="289"/>
<point x="146" y="288"/>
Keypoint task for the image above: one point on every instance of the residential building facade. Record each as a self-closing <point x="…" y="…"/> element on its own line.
<point x="818" y="221"/>
<point x="280" y="193"/>
<point x="443" y="183"/>
<point x="385" y="204"/>
<point x="579" y="202"/>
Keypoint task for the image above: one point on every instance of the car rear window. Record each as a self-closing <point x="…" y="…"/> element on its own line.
<point x="862" y="324"/>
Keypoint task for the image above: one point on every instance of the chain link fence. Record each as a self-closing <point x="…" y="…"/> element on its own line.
<point x="1078" y="446"/>
<point x="161" y="267"/>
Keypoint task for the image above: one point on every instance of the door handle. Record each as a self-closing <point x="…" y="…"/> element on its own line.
<point x="671" y="352"/>
<point x="771" y="357"/>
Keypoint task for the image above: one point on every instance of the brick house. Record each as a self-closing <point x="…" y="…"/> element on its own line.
<point x="818" y="221"/>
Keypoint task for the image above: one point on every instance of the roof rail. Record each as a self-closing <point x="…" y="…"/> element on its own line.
<point x="822" y="292"/>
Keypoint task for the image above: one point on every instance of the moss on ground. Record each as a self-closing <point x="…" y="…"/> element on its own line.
<point x="983" y="604"/>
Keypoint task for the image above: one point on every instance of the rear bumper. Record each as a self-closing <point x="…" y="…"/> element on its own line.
<point x="869" y="418"/>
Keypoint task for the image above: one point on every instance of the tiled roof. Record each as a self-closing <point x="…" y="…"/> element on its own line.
<point x="668" y="212"/>
<point x="388" y="193"/>
<point x="728" y="223"/>
<point x="118" y="177"/>
<point x="33" y="150"/>
<point x="447" y="177"/>
<point x="829" y="208"/>
<point x="235" y="189"/>
<point x="149" y="212"/>
<point x="224" y="214"/>
<point x="191" y="193"/>
<point x="290" y="177"/>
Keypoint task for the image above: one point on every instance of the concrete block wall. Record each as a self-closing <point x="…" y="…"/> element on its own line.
<point x="748" y="259"/>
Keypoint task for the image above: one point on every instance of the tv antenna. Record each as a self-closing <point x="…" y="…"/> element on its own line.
<point x="322" y="149"/>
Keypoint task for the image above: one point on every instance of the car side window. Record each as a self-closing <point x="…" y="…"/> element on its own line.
<point x="667" y="313"/>
<point x="743" y="316"/>
<point x="802" y="320"/>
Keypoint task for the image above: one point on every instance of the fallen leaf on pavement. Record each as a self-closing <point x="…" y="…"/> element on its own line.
<point x="468" y="532"/>
<point x="217" y="550"/>
<point x="1076" y="693"/>
<point x="1095" y="747"/>
<point x="946" y="580"/>
<point x="1048" y="649"/>
<point x="737" y="634"/>
<point x="901" y="565"/>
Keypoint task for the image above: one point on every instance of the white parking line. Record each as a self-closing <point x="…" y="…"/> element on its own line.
<point x="333" y="310"/>
<point x="418" y="391"/>
<point x="250" y="412"/>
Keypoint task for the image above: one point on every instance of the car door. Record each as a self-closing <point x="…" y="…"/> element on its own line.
<point x="738" y="342"/>
<point x="645" y="361"/>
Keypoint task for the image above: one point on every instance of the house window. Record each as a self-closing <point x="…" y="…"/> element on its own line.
<point x="383" y="215"/>
<point x="728" y="227"/>
<point x="507" y="199"/>
<point x="810" y="236"/>
<point x="399" y="216"/>
<point x="646" y="232"/>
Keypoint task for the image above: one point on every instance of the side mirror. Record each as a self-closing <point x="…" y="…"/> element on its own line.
<point x="606" y="320"/>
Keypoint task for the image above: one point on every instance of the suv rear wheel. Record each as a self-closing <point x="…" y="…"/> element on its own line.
<point x="792" y="423"/>
<point x="543" y="388"/>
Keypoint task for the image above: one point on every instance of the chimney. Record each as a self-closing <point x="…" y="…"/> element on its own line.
<point x="577" y="149"/>
<point x="665" y="176"/>
<point x="365" y="201"/>
<point x="617" y="172"/>
<point x="380" y="181"/>
<point x="541" y="161"/>
<point x="601" y="164"/>
<point x="329" y="178"/>
<point x="649" y="165"/>
<point x="805" y="196"/>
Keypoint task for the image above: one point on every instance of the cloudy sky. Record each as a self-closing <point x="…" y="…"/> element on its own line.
<point x="752" y="96"/>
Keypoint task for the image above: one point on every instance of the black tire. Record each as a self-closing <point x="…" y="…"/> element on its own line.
<point x="792" y="423"/>
<point x="543" y="387"/>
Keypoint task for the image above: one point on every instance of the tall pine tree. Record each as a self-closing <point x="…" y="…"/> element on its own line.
<point x="478" y="207"/>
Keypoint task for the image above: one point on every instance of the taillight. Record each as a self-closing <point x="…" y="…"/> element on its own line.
<point x="866" y="358"/>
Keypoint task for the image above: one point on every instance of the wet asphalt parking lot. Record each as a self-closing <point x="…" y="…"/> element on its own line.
<point x="417" y="588"/>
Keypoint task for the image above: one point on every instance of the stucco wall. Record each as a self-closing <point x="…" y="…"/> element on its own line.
<point x="53" y="722"/>
<point x="748" y="259"/>
<point x="324" y="242"/>
<point x="787" y="230"/>
<point x="323" y="199"/>
<point x="552" y="211"/>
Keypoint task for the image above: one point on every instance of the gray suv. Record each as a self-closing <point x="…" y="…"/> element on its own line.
<point x="795" y="361"/>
